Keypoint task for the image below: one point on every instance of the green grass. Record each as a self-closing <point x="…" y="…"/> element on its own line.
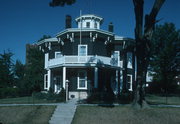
<point x="155" y="99"/>
<point x="23" y="100"/>
<point x="125" y="115"/>
<point x="26" y="114"/>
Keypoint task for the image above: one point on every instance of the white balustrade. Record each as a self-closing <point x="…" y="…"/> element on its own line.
<point x="82" y="60"/>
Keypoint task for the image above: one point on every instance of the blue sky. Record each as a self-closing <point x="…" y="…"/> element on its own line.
<point x="26" y="21"/>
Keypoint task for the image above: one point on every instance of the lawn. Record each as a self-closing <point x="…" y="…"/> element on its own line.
<point x="155" y="99"/>
<point x="23" y="100"/>
<point x="125" y="115"/>
<point x="26" y="114"/>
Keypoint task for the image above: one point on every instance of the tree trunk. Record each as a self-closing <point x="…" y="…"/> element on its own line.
<point x="142" y="49"/>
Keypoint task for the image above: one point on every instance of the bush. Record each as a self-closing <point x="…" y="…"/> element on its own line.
<point x="61" y="97"/>
<point x="125" y="97"/>
<point x="40" y="95"/>
<point x="103" y="97"/>
<point x="8" y="92"/>
<point x="93" y="97"/>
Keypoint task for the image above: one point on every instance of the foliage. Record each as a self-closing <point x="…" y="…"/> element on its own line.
<point x="125" y="97"/>
<point x="34" y="71"/>
<point x="6" y="73"/>
<point x="55" y="3"/>
<point x="60" y="97"/>
<point x="19" y="74"/>
<point x="100" y="97"/>
<point x="164" y="57"/>
<point x="8" y="92"/>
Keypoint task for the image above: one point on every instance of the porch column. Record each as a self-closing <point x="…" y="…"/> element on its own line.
<point x="95" y="77"/>
<point x="64" y="77"/>
<point x="121" y="80"/>
<point x="117" y="82"/>
<point x="55" y="87"/>
<point x="49" y="79"/>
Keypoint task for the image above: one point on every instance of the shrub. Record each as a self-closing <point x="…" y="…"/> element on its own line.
<point x="94" y="96"/>
<point x="61" y="96"/>
<point x="103" y="97"/>
<point x="40" y="95"/>
<point x="125" y="97"/>
<point x="50" y="96"/>
<point x="8" y="92"/>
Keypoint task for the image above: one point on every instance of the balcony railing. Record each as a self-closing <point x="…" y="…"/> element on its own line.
<point x="84" y="60"/>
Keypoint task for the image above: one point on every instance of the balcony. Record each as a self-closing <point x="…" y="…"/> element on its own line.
<point x="83" y="60"/>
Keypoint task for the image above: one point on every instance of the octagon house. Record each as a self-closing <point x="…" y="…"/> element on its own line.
<point x="88" y="57"/>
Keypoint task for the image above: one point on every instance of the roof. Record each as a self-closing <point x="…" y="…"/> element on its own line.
<point x="91" y="16"/>
<point x="84" y="30"/>
<point x="54" y="39"/>
<point x="117" y="38"/>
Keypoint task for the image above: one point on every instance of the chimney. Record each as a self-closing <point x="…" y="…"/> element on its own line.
<point x="68" y="21"/>
<point x="110" y="27"/>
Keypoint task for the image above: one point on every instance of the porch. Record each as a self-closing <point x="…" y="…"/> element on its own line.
<point x="81" y="80"/>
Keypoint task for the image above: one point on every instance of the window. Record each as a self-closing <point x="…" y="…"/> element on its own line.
<point x="129" y="82"/>
<point x="82" y="80"/>
<point x="57" y="81"/>
<point x="115" y="58"/>
<point x="88" y="24"/>
<point x="82" y="50"/>
<point x="58" y="54"/>
<point x="45" y="81"/>
<point x="95" y="25"/>
<point x="129" y="60"/>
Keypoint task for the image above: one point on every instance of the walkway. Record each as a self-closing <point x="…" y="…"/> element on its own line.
<point x="64" y="113"/>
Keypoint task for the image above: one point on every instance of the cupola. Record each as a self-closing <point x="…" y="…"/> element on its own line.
<point x="89" y="21"/>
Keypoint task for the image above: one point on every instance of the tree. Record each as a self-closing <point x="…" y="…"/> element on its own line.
<point x="34" y="70"/>
<point x="165" y="57"/>
<point x="55" y="3"/>
<point x="19" y="70"/>
<point x="6" y="74"/>
<point x="19" y="74"/>
<point x="143" y="38"/>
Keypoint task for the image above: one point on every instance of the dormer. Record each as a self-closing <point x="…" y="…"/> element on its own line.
<point x="89" y="21"/>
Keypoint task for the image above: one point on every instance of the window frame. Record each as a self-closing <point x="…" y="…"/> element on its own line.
<point x="130" y="82"/>
<point x="46" y="81"/>
<point x="118" y="57"/>
<point x="129" y="60"/>
<point x="95" y="25"/>
<point x="79" y="46"/>
<point x="88" y="24"/>
<point x="55" y="56"/>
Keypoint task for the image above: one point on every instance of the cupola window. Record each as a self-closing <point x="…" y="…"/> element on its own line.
<point x="88" y="24"/>
<point x="95" y="25"/>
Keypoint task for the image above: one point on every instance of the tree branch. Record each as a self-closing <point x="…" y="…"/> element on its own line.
<point x="138" y="9"/>
<point x="55" y="3"/>
<point x="150" y="19"/>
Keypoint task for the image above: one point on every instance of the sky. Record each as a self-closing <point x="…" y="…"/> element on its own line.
<point x="26" y="21"/>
